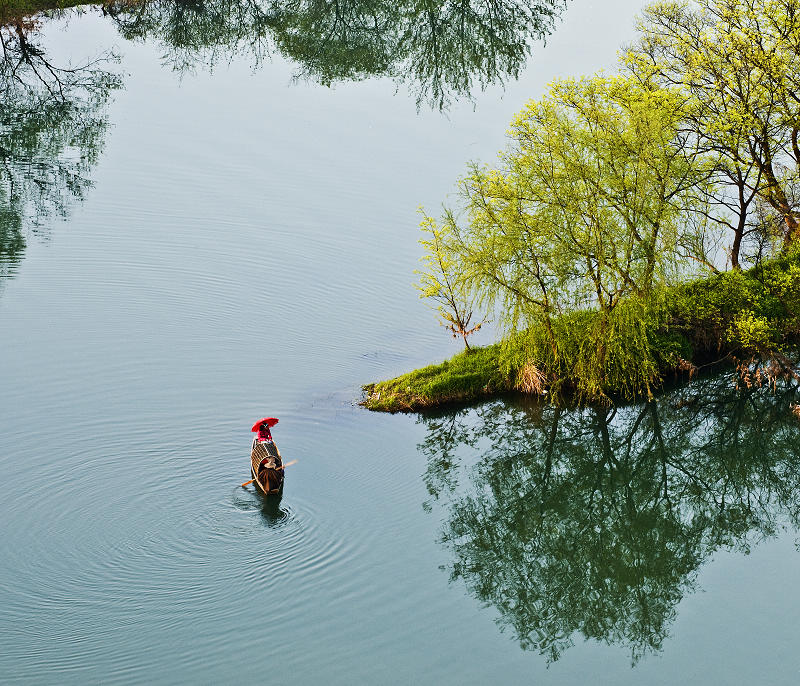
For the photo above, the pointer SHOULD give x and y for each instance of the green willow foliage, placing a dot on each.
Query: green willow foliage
(741, 314)
(614, 190)
(442, 283)
(737, 63)
(633, 357)
(573, 238)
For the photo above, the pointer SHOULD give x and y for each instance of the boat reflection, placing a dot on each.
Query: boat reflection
(594, 522)
(271, 511)
(268, 506)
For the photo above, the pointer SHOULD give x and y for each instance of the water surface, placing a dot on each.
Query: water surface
(232, 242)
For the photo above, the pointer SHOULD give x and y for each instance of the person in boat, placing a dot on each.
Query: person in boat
(264, 433)
(270, 472)
(270, 467)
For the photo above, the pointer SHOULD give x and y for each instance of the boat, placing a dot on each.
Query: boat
(271, 481)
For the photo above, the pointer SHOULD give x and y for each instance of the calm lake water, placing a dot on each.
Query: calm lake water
(245, 248)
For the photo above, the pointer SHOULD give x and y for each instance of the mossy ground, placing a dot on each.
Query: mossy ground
(470, 375)
(737, 314)
(13, 10)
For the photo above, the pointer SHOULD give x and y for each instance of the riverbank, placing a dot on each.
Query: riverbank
(729, 316)
(14, 10)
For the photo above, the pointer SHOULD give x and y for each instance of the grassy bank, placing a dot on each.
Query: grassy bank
(14, 10)
(734, 315)
(467, 376)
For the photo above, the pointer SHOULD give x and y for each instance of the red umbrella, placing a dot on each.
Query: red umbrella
(269, 421)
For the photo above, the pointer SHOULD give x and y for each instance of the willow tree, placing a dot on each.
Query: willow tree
(738, 63)
(442, 282)
(583, 217)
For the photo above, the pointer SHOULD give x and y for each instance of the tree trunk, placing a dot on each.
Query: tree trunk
(792, 225)
(737, 245)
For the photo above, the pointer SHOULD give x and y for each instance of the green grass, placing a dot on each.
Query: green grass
(11, 10)
(467, 376)
(736, 314)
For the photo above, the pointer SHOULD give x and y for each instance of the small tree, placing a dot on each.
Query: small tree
(443, 284)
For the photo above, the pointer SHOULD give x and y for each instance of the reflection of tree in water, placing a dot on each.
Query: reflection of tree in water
(52, 124)
(195, 32)
(596, 521)
(441, 48)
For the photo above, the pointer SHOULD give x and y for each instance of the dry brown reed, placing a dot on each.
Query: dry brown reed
(531, 380)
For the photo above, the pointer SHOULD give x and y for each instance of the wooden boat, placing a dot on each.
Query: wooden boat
(271, 481)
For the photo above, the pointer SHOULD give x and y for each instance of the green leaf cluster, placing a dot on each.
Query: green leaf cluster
(442, 282)
(746, 312)
(737, 64)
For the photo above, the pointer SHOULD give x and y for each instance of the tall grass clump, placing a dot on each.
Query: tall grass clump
(597, 355)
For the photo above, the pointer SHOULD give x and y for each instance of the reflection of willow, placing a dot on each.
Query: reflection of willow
(596, 521)
(443, 48)
(51, 130)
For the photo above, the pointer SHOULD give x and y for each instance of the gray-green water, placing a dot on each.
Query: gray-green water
(247, 248)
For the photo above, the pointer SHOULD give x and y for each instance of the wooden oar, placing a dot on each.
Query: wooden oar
(283, 466)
